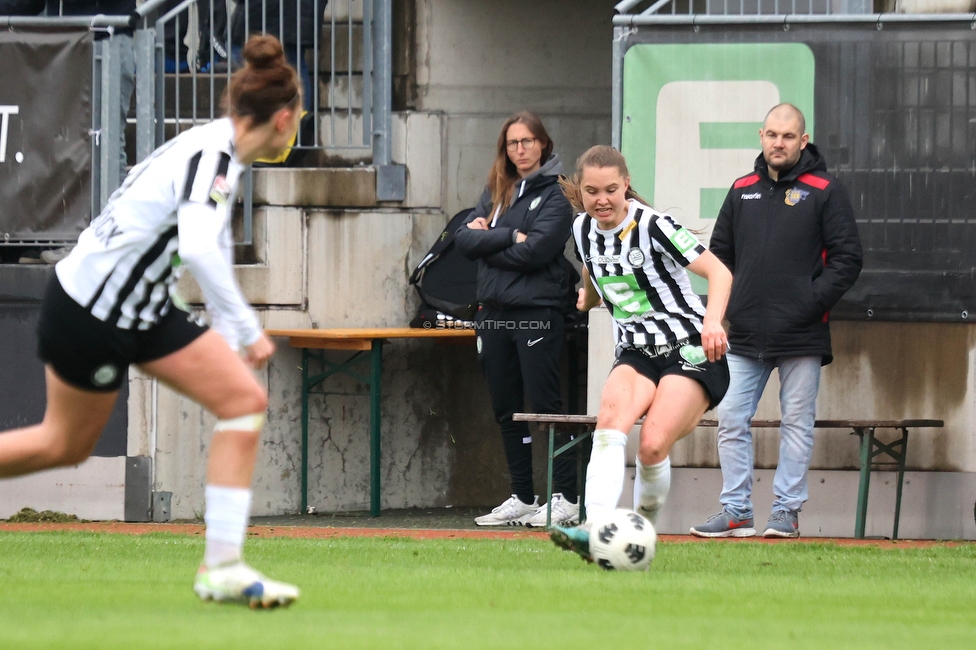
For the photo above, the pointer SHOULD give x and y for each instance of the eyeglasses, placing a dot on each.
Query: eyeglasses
(527, 143)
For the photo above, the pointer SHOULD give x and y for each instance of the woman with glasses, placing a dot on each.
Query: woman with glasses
(518, 232)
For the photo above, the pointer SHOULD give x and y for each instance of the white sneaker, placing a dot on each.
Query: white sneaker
(511, 513)
(564, 513)
(240, 583)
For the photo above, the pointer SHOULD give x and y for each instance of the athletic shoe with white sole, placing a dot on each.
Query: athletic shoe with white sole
(239, 583)
(573, 538)
(511, 513)
(564, 513)
(722, 524)
(783, 523)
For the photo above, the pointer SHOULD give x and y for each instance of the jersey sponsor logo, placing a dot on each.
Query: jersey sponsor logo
(220, 190)
(636, 257)
(752, 196)
(693, 354)
(535, 203)
(626, 231)
(629, 301)
(683, 240)
(604, 259)
(795, 195)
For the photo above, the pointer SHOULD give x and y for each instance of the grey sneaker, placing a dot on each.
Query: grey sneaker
(783, 523)
(573, 538)
(722, 524)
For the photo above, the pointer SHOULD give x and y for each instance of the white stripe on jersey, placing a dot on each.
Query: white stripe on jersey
(122, 268)
(638, 270)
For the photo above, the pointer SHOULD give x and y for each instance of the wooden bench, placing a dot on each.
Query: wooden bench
(870, 447)
(365, 345)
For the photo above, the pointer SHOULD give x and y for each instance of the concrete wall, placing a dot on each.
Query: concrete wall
(478, 62)
(347, 266)
(880, 370)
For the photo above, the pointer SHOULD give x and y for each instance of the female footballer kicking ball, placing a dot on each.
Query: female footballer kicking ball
(670, 365)
(109, 306)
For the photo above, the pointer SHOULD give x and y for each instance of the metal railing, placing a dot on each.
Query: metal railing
(348, 52)
(742, 7)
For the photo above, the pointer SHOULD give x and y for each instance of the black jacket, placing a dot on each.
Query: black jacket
(794, 250)
(535, 272)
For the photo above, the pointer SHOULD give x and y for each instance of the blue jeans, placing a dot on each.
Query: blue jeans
(799, 382)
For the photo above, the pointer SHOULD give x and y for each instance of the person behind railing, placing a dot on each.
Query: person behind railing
(670, 365)
(518, 232)
(109, 305)
(127, 80)
(296, 30)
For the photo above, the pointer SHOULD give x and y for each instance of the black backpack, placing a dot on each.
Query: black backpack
(446, 281)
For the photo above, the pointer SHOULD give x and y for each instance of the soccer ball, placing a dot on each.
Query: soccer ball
(622, 541)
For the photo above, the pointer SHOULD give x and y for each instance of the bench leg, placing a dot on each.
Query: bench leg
(553, 452)
(867, 445)
(376, 371)
(552, 456)
(900, 457)
(305, 389)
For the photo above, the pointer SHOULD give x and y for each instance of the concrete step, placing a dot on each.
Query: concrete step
(341, 141)
(330, 187)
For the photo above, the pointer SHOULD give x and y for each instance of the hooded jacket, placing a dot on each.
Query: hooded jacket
(533, 273)
(793, 249)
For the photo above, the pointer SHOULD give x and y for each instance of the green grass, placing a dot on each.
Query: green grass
(85, 590)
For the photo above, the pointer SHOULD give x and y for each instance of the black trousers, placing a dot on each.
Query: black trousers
(519, 350)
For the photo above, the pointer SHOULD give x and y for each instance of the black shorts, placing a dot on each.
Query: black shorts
(685, 358)
(93, 355)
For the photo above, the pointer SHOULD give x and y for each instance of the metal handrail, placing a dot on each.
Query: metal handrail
(632, 20)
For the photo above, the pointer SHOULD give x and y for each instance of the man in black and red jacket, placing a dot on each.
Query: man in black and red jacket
(788, 235)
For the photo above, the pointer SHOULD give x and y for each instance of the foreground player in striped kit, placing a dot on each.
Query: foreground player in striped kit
(670, 365)
(109, 306)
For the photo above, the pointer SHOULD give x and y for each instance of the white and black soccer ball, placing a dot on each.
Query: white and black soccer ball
(622, 541)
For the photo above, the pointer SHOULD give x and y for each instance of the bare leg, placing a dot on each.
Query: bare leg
(626, 396)
(210, 373)
(73, 421)
(675, 411)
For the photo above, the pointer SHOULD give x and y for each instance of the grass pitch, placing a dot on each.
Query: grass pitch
(87, 590)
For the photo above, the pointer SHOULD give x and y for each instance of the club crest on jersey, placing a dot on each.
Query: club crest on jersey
(220, 190)
(795, 195)
(636, 257)
(535, 203)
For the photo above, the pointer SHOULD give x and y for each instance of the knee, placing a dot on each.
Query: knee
(248, 401)
(651, 452)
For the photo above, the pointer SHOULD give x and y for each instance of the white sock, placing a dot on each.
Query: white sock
(651, 488)
(227, 512)
(605, 471)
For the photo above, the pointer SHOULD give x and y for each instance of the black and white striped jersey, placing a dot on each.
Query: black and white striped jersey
(638, 270)
(173, 208)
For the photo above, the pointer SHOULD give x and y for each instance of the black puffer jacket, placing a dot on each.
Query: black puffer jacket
(793, 249)
(533, 273)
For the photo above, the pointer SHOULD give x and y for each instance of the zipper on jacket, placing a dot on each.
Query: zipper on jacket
(760, 331)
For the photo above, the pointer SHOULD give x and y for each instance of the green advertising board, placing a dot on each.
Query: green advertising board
(692, 114)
